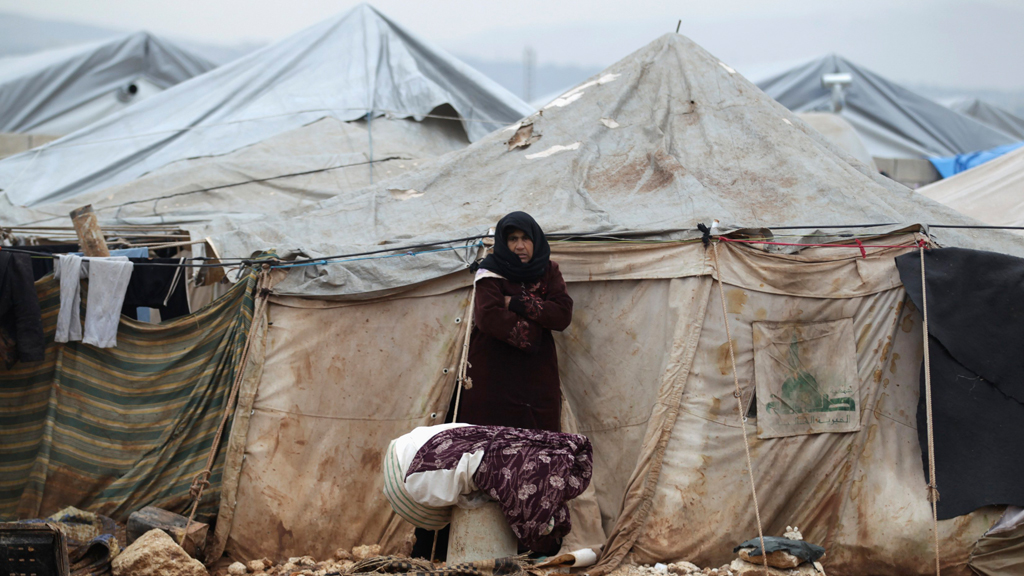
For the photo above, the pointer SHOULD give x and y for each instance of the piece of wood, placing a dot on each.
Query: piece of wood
(90, 236)
(151, 517)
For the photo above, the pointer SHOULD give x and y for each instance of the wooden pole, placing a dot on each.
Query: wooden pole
(90, 236)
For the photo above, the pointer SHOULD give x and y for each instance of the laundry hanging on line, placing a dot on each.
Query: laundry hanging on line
(21, 322)
(108, 282)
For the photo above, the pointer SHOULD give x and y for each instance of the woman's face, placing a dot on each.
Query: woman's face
(520, 245)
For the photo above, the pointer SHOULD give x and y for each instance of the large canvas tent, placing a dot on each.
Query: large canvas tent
(992, 193)
(59, 91)
(357, 65)
(990, 114)
(893, 121)
(359, 350)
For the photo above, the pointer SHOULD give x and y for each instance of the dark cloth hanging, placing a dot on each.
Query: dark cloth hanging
(975, 310)
(512, 360)
(160, 287)
(43, 266)
(21, 322)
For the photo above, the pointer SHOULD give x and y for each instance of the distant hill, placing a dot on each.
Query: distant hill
(21, 35)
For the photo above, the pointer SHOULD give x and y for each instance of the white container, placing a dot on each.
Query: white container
(480, 534)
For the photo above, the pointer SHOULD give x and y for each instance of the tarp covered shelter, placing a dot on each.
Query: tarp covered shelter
(992, 193)
(893, 121)
(996, 117)
(113, 430)
(360, 350)
(56, 92)
(342, 68)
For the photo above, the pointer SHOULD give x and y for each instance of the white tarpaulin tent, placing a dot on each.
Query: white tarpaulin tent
(893, 121)
(990, 114)
(360, 350)
(992, 193)
(59, 91)
(341, 68)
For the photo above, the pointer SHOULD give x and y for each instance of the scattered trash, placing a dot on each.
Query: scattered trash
(789, 555)
(609, 122)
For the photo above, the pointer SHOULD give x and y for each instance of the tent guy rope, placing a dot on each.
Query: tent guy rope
(739, 403)
(933, 490)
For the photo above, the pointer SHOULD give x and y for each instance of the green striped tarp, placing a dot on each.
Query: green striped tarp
(113, 430)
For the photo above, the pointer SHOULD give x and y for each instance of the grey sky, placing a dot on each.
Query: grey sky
(939, 42)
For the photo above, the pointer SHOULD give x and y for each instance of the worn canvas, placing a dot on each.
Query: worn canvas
(806, 378)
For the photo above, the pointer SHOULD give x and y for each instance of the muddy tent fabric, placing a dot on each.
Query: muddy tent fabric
(992, 193)
(977, 395)
(113, 430)
(990, 114)
(57, 92)
(664, 139)
(893, 121)
(345, 67)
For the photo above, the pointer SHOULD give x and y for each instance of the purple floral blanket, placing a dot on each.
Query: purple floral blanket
(532, 474)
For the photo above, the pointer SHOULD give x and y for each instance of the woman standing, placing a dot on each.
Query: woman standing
(520, 299)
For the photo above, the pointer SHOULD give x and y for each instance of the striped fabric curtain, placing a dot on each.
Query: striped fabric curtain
(113, 430)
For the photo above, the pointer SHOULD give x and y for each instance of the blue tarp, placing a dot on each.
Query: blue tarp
(951, 165)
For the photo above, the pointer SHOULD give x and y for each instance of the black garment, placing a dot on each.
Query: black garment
(21, 321)
(152, 286)
(975, 310)
(505, 262)
(803, 550)
(43, 266)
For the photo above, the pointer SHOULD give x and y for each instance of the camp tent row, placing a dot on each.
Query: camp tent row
(893, 121)
(353, 98)
(990, 114)
(56, 92)
(992, 193)
(667, 138)
(356, 351)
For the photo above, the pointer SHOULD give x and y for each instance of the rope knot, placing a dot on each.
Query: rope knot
(933, 493)
(706, 238)
(199, 483)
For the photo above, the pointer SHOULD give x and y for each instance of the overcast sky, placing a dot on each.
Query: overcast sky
(967, 43)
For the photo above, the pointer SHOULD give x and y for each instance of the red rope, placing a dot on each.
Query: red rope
(857, 245)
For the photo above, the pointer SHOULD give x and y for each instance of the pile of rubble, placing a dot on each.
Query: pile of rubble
(304, 565)
(780, 560)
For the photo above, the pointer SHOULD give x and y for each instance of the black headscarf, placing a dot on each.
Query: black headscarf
(505, 262)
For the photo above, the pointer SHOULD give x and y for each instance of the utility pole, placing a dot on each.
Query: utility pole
(529, 62)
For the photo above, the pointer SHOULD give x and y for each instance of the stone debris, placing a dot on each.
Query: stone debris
(741, 567)
(793, 533)
(777, 559)
(156, 554)
(365, 551)
(238, 569)
(259, 565)
(676, 568)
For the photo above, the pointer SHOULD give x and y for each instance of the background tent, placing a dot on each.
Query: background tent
(839, 132)
(637, 156)
(893, 121)
(992, 193)
(341, 68)
(990, 114)
(57, 92)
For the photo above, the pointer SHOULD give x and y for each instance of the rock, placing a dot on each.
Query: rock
(777, 559)
(302, 561)
(156, 554)
(259, 565)
(683, 568)
(793, 533)
(238, 569)
(342, 554)
(365, 551)
(740, 567)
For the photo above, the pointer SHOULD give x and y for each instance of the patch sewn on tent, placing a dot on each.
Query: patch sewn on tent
(806, 378)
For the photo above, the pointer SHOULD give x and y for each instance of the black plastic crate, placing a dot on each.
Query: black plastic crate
(32, 549)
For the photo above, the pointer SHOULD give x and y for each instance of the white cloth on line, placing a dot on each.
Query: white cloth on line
(438, 488)
(108, 282)
(68, 269)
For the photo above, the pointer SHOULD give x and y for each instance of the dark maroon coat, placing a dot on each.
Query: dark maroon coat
(513, 363)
